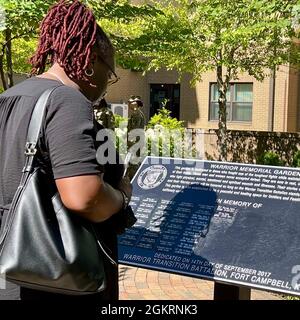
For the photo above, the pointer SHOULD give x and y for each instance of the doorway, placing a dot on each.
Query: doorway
(168, 94)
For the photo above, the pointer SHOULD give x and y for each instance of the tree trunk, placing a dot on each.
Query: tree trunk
(222, 132)
(9, 58)
(2, 74)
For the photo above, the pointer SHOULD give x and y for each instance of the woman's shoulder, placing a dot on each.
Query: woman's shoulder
(30, 87)
(66, 100)
(68, 106)
(66, 93)
(35, 86)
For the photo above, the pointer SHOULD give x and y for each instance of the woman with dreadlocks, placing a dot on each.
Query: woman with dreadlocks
(81, 61)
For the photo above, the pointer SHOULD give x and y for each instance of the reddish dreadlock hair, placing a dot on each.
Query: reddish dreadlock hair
(68, 34)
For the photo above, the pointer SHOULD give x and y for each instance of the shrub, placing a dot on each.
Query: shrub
(296, 159)
(165, 135)
(163, 118)
(119, 120)
(270, 158)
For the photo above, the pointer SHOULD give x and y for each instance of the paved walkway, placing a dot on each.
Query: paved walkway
(144, 284)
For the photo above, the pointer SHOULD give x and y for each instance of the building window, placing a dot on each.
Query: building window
(239, 98)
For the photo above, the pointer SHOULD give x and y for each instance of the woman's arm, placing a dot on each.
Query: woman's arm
(92, 198)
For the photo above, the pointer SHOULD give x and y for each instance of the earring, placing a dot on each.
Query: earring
(89, 73)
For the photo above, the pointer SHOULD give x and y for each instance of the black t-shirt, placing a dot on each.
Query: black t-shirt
(67, 140)
(68, 132)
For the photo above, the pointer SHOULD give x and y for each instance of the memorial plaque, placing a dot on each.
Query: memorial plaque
(230, 222)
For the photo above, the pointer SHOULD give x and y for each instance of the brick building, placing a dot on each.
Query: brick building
(252, 105)
(250, 102)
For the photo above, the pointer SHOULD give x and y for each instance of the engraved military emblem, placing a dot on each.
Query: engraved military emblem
(152, 177)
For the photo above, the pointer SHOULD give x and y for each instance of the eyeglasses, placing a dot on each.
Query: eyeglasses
(113, 78)
(103, 95)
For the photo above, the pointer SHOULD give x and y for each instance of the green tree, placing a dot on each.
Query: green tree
(20, 20)
(124, 21)
(229, 37)
(21, 50)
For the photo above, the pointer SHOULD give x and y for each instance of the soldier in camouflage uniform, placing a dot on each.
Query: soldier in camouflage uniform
(136, 121)
(104, 115)
(136, 117)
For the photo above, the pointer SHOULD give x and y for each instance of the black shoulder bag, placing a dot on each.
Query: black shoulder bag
(42, 245)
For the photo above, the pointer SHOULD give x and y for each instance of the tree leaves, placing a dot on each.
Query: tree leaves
(241, 35)
(22, 16)
(190, 36)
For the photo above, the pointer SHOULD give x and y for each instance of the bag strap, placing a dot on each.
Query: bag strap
(34, 128)
(33, 134)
